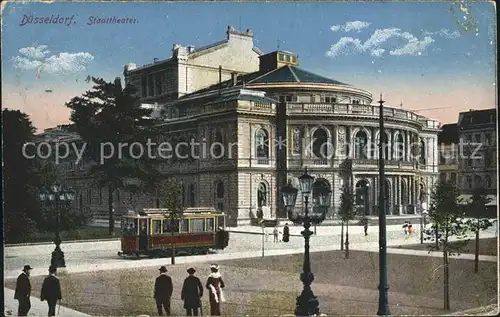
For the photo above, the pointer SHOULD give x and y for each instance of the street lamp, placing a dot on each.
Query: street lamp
(57, 195)
(307, 303)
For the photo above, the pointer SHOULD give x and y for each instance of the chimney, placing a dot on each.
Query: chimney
(155, 60)
(190, 48)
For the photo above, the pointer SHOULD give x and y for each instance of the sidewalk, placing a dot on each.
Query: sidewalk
(38, 308)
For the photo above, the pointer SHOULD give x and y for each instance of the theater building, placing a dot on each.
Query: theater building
(273, 119)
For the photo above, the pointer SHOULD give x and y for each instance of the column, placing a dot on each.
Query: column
(399, 193)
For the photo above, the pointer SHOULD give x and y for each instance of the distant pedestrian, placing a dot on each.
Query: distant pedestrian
(215, 284)
(410, 228)
(23, 291)
(364, 221)
(51, 290)
(163, 291)
(405, 228)
(192, 291)
(286, 233)
(276, 234)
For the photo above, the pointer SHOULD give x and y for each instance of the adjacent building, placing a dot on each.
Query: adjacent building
(257, 120)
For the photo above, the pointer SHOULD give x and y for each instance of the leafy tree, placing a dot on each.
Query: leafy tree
(447, 221)
(477, 206)
(105, 118)
(462, 12)
(172, 199)
(19, 201)
(347, 212)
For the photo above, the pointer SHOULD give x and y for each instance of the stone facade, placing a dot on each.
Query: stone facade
(273, 119)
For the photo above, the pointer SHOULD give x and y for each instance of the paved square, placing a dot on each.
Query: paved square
(269, 286)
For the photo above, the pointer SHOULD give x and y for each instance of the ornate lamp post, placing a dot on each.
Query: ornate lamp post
(307, 303)
(58, 196)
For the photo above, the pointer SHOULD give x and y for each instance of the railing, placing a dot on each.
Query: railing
(369, 110)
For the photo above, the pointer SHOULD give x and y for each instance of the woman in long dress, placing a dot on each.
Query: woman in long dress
(215, 284)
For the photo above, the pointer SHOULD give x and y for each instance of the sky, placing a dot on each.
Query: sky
(414, 53)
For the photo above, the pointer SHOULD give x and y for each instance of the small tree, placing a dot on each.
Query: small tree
(477, 207)
(347, 212)
(447, 221)
(172, 196)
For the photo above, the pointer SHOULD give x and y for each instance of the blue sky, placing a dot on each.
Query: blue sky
(449, 59)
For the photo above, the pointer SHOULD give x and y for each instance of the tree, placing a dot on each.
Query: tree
(462, 12)
(19, 201)
(106, 118)
(172, 196)
(447, 221)
(477, 207)
(347, 212)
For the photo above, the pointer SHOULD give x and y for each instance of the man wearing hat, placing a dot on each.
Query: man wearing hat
(215, 284)
(23, 291)
(51, 290)
(163, 291)
(192, 291)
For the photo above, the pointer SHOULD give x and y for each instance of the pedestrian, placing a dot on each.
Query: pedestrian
(51, 290)
(286, 233)
(215, 284)
(192, 291)
(365, 225)
(163, 291)
(23, 291)
(410, 228)
(276, 234)
(405, 227)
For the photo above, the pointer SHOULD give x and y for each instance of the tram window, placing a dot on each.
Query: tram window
(210, 224)
(129, 226)
(185, 225)
(167, 227)
(156, 226)
(143, 229)
(197, 225)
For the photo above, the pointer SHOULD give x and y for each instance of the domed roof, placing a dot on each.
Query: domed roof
(293, 74)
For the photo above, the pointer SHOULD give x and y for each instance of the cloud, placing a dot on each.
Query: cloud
(350, 26)
(444, 33)
(36, 58)
(374, 44)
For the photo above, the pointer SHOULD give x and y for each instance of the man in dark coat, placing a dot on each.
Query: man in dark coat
(286, 233)
(215, 284)
(51, 290)
(192, 291)
(163, 291)
(23, 291)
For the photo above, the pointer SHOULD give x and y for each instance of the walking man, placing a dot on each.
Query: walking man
(275, 233)
(23, 291)
(51, 290)
(163, 291)
(286, 233)
(215, 284)
(192, 291)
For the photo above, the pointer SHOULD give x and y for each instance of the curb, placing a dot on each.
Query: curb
(63, 242)
(260, 233)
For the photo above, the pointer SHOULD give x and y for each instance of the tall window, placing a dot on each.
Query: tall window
(488, 181)
(89, 196)
(100, 196)
(404, 193)
(478, 181)
(360, 142)
(453, 176)
(151, 87)
(262, 195)
(469, 182)
(218, 144)
(399, 149)
(192, 195)
(159, 84)
(320, 143)
(144, 86)
(422, 152)
(262, 143)
(219, 190)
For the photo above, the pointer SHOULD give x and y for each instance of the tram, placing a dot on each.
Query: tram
(156, 232)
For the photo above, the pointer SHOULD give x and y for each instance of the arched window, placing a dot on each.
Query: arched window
(217, 144)
(478, 181)
(192, 195)
(387, 189)
(262, 143)
(385, 141)
(469, 182)
(360, 142)
(488, 181)
(404, 193)
(399, 147)
(320, 143)
(262, 195)
(219, 190)
(422, 152)
(421, 198)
